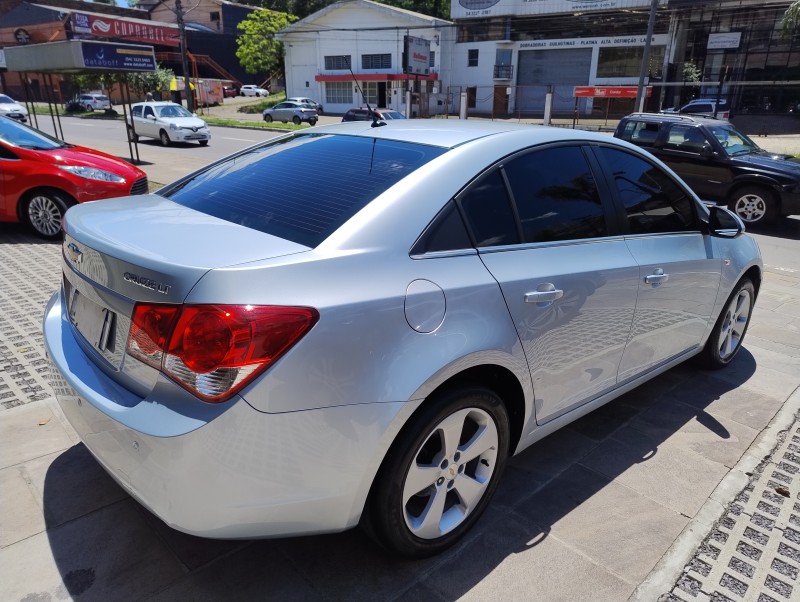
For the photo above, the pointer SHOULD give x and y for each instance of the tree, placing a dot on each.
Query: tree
(143, 82)
(791, 18)
(258, 50)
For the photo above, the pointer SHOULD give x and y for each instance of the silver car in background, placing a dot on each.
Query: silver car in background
(250, 353)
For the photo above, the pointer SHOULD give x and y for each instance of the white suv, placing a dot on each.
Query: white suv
(704, 107)
(253, 90)
(167, 122)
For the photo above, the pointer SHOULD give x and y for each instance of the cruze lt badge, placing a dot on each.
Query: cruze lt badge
(145, 282)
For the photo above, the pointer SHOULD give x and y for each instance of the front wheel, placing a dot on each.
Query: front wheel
(296, 120)
(164, 138)
(725, 340)
(268, 118)
(90, 108)
(754, 205)
(440, 473)
(312, 122)
(44, 210)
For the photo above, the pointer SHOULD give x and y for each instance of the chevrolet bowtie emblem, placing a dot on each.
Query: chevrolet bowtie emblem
(74, 254)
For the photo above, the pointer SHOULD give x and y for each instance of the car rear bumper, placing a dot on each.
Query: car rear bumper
(238, 472)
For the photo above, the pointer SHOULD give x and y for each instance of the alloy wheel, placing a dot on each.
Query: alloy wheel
(734, 324)
(45, 215)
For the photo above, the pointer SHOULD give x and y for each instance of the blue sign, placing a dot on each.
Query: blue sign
(118, 57)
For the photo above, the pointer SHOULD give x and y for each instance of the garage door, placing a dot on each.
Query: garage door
(565, 69)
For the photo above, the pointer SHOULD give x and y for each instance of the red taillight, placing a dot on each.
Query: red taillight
(214, 350)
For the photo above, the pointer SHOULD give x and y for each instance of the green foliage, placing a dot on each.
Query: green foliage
(141, 83)
(303, 8)
(258, 50)
(791, 18)
(690, 72)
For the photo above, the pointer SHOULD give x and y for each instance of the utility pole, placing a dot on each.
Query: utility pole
(651, 23)
(187, 84)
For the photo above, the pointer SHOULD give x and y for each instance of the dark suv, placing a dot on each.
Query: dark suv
(719, 163)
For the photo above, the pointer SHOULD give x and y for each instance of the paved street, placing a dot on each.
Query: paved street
(687, 488)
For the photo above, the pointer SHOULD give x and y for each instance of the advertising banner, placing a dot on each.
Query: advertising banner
(117, 57)
(460, 9)
(83, 25)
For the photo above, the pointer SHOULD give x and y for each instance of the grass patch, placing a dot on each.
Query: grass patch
(268, 102)
(263, 125)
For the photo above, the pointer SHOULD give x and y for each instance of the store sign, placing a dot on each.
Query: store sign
(117, 57)
(485, 8)
(609, 91)
(720, 41)
(83, 24)
(416, 55)
(22, 36)
(656, 40)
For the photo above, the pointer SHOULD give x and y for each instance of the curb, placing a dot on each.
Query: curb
(668, 570)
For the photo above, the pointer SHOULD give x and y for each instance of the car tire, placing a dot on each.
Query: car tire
(312, 122)
(258, 94)
(203, 142)
(268, 118)
(754, 205)
(44, 210)
(132, 136)
(418, 512)
(726, 339)
(164, 138)
(296, 120)
(89, 108)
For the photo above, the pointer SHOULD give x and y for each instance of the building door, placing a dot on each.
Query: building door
(564, 69)
(500, 105)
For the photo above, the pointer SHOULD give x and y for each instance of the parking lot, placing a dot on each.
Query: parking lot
(610, 508)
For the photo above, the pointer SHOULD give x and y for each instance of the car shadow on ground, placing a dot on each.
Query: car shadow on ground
(107, 546)
(16, 233)
(783, 227)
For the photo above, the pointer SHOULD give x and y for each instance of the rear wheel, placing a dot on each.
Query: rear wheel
(164, 138)
(312, 122)
(296, 120)
(441, 473)
(754, 205)
(44, 210)
(726, 339)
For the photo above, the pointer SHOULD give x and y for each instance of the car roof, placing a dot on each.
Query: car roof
(676, 118)
(450, 133)
(157, 103)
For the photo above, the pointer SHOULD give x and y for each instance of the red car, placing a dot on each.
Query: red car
(42, 176)
(230, 92)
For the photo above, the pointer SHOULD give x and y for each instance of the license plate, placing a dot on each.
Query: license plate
(94, 322)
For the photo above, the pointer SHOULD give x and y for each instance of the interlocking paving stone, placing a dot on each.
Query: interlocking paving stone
(753, 551)
(30, 271)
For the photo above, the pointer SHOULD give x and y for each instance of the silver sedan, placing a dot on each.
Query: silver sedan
(267, 355)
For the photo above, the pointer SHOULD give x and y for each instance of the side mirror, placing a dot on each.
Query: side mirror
(707, 153)
(724, 223)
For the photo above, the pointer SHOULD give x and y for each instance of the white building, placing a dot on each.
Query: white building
(367, 37)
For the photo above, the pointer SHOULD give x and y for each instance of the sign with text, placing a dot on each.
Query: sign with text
(117, 57)
(493, 8)
(609, 91)
(416, 55)
(83, 25)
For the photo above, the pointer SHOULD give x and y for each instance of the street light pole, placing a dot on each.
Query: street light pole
(187, 85)
(651, 23)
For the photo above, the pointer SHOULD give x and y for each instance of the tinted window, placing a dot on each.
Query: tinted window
(685, 138)
(261, 188)
(488, 212)
(653, 201)
(136, 111)
(640, 133)
(445, 233)
(556, 195)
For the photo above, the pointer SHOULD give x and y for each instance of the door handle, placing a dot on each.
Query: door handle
(548, 295)
(657, 277)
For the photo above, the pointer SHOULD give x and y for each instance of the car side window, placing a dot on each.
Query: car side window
(654, 202)
(640, 133)
(685, 138)
(445, 233)
(487, 209)
(556, 195)
(148, 112)
(136, 111)
(698, 108)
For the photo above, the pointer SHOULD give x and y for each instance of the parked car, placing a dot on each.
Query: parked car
(363, 114)
(11, 108)
(704, 107)
(229, 92)
(308, 101)
(42, 176)
(253, 90)
(288, 110)
(720, 163)
(94, 102)
(369, 345)
(168, 122)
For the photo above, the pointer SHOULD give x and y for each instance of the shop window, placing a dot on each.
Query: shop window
(340, 93)
(626, 61)
(214, 16)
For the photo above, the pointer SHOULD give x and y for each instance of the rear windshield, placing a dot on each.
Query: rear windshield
(301, 188)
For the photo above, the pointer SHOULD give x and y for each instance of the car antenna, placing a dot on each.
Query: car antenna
(375, 121)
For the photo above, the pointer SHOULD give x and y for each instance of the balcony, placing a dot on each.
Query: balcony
(503, 71)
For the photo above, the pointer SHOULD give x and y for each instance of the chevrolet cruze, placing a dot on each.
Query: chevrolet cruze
(254, 354)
